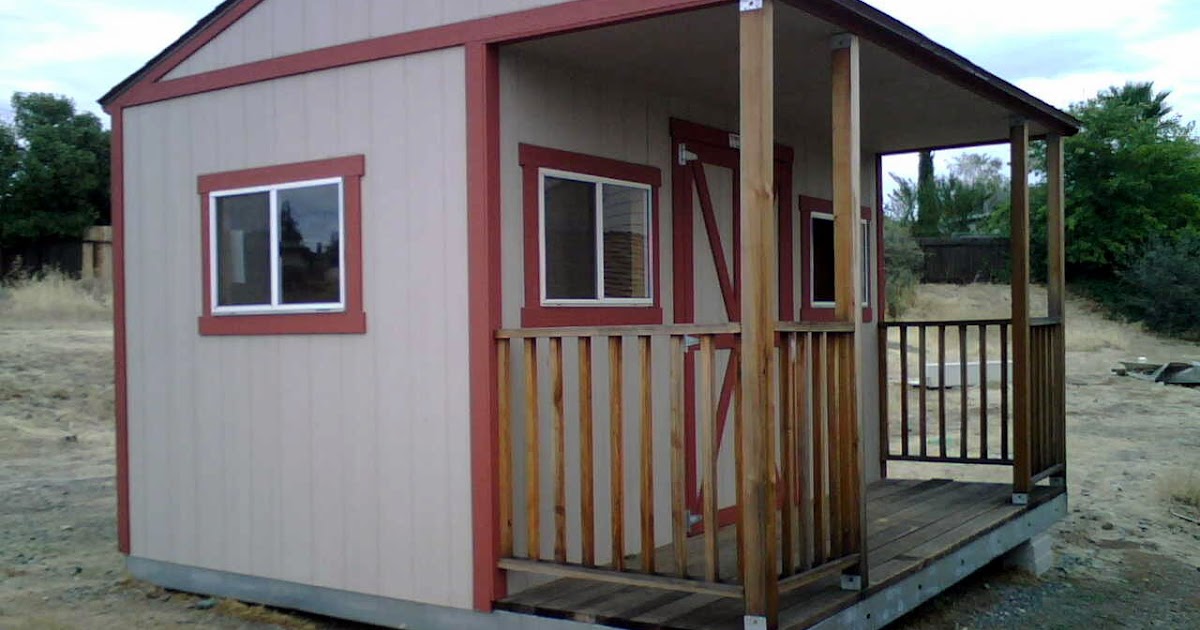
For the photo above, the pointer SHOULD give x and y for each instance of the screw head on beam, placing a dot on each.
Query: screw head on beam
(842, 41)
(750, 5)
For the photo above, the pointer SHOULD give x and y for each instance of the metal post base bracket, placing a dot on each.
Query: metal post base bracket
(851, 582)
(754, 623)
(1020, 498)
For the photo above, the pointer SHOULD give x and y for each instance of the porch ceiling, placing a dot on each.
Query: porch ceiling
(694, 56)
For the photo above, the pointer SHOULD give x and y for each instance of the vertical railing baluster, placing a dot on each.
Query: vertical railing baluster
(963, 435)
(923, 390)
(787, 414)
(647, 456)
(904, 390)
(983, 392)
(560, 447)
(804, 441)
(820, 543)
(942, 390)
(679, 522)
(834, 395)
(616, 411)
(1004, 439)
(504, 444)
(706, 410)
(532, 458)
(587, 468)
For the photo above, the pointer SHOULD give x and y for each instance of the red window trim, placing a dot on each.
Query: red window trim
(534, 314)
(808, 312)
(353, 319)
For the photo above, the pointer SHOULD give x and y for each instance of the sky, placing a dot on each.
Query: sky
(1062, 51)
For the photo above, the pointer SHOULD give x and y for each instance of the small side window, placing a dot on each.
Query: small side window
(282, 249)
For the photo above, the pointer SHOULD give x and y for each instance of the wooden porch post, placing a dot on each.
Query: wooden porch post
(758, 298)
(1056, 275)
(1022, 450)
(847, 191)
(1056, 283)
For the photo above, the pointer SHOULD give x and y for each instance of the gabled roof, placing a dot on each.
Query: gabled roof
(853, 15)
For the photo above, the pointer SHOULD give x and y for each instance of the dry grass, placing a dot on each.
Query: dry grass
(1182, 486)
(1088, 328)
(53, 296)
(263, 615)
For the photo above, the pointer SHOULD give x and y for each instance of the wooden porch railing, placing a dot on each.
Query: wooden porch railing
(576, 443)
(953, 419)
(1047, 416)
(820, 479)
(536, 529)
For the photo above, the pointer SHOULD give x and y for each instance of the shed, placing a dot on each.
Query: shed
(527, 313)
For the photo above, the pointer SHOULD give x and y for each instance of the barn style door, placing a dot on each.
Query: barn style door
(706, 230)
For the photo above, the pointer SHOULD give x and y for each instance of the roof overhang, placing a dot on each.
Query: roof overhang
(853, 16)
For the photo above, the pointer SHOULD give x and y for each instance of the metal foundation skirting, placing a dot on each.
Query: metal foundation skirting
(382, 611)
(889, 604)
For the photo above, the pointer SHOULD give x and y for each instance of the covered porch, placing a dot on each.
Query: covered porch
(728, 466)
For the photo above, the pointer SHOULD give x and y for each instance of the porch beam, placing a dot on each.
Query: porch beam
(1056, 276)
(758, 307)
(847, 192)
(1022, 451)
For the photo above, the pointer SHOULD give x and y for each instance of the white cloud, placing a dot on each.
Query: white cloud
(1150, 40)
(965, 22)
(82, 48)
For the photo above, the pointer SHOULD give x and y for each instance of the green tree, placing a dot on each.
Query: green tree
(960, 202)
(54, 170)
(1132, 176)
(901, 204)
(975, 188)
(928, 215)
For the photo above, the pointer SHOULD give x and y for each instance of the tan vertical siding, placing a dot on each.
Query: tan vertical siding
(339, 461)
(282, 27)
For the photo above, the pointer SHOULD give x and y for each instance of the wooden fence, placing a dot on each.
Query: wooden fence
(87, 258)
(965, 259)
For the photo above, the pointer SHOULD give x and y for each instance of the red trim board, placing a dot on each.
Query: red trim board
(120, 358)
(504, 28)
(484, 284)
(534, 314)
(350, 321)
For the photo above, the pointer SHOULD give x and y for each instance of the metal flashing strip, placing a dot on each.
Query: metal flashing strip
(892, 602)
(361, 607)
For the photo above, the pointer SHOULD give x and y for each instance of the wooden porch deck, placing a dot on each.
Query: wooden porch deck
(911, 524)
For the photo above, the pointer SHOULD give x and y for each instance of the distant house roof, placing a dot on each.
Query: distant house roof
(854, 15)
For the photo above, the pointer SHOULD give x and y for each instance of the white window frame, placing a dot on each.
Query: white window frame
(275, 307)
(812, 263)
(864, 271)
(600, 299)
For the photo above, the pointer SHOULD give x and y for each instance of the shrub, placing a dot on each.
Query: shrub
(903, 261)
(1164, 287)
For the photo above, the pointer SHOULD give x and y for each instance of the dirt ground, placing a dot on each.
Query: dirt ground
(1123, 558)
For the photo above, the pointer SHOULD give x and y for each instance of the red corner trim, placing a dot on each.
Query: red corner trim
(120, 358)
(483, 263)
(508, 27)
(351, 321)
(534, 315)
